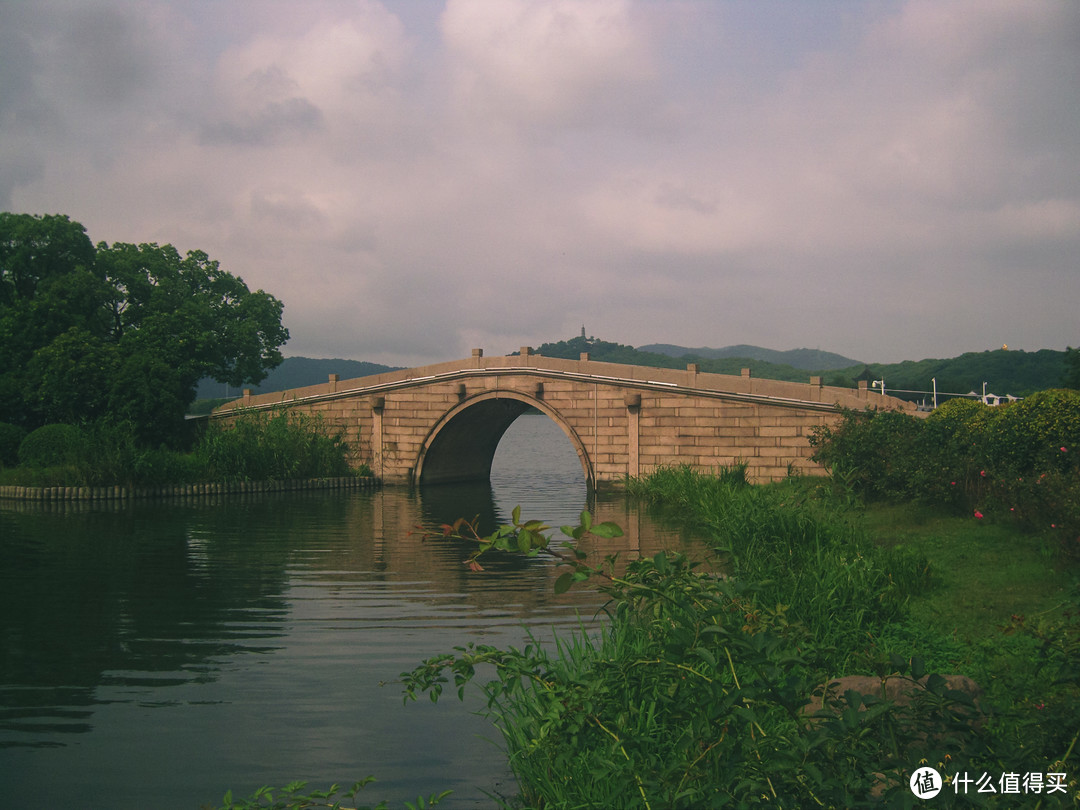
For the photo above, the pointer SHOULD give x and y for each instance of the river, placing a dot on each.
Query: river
(157, 654)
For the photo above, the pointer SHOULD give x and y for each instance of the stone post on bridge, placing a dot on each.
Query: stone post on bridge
(633, 414)
(378, 405)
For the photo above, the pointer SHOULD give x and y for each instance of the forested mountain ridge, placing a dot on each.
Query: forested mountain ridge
(617, 353)
(806, 359)
(296, 372)
(1004, 371)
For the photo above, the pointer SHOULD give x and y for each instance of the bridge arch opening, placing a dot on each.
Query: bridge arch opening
(462, 445)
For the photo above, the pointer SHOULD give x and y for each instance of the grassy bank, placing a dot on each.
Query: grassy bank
(983, 573)
(801, 548)
(698, 693)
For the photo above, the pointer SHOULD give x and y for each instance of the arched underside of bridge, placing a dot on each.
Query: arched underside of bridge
(461, 447)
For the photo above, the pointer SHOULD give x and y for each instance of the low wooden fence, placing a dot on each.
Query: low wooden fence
(62, 494)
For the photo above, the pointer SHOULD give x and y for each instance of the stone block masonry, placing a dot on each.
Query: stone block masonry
(443, 422)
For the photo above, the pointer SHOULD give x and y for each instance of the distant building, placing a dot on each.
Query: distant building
(992, 399)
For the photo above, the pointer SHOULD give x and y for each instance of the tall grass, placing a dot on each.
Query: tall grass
(806, 556)
(686, 702)
(257, 447)
(281, 445)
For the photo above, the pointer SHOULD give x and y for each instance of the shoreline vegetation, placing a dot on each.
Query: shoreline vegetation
(257, 452)
(710, 685)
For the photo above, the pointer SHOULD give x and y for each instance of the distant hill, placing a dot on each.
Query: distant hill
(618, 353)
(805, 359)
(296, 372)
(1004, 371)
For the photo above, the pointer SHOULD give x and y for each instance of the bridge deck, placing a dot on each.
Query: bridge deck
(443, 422)
(745, 387)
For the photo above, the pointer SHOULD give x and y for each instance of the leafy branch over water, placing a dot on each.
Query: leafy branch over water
(295, 796)
(529, 539)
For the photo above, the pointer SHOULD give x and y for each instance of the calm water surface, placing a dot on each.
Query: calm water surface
(156, 655)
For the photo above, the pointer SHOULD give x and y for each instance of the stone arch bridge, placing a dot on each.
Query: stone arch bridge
(442, 423)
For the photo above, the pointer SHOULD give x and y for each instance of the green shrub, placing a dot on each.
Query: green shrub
(258, 446)
(272, 446)
(11, 437)
(53, 446)
(1018, 462)
(117, 457)
(876, 452)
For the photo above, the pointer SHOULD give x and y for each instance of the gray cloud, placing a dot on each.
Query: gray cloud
(271, 123)
(891, 181)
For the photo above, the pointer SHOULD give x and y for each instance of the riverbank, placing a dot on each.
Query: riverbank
(702, 689)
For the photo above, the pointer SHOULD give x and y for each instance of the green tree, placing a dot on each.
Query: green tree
(200, 317)
(1072, 368)
(124, 331)
(72, 377)
(34, 250)
(47, 286)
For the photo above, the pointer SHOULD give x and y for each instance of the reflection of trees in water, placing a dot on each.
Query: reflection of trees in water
(156, 594)
(115, 597)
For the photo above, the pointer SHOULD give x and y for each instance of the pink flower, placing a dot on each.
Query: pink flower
(982, 473)
(1063, 450)
(978, 515)
(952, 483)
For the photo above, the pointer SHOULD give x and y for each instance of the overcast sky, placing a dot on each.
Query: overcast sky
(887, 180)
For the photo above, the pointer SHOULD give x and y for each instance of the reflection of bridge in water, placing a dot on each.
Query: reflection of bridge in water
(442, 423)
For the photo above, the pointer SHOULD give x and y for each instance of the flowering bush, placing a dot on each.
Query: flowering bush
(1011, 461)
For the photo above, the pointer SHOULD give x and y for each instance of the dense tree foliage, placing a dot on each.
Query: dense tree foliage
(123, 332)
(1005, 371)
(1072, 368)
